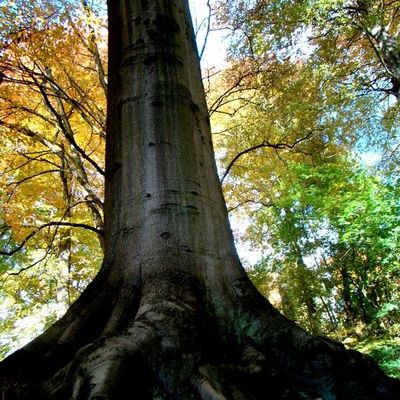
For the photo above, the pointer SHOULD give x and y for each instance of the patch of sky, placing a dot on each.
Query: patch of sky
(211, 43)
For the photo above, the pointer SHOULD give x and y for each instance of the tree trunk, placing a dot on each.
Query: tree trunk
(171, 313)
(305, 285)
(350, 315)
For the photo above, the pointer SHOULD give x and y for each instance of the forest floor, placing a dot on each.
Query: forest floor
(385, 351)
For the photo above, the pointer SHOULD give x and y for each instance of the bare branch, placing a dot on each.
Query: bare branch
(93, 48)
(47, 225)
(17, 183)
(23, 269)
(207, 30)
(249, 201)
(61, 119)
(265, 143)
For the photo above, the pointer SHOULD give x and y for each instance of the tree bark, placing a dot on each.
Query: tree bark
(172, 314)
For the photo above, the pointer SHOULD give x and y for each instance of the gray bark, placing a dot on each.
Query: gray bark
(171, 313)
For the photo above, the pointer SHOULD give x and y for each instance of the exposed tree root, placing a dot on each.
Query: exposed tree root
(176, 345)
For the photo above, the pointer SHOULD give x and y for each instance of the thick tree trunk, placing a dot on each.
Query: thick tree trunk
(171, 313)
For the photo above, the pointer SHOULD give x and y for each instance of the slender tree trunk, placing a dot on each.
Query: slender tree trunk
(171, 313)
(330, 313)
(306, 290)
(350, 316)
(66, 237)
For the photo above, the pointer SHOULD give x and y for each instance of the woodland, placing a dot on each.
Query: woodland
(305, 127)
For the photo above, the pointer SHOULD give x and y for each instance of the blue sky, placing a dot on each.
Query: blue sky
(215, 51)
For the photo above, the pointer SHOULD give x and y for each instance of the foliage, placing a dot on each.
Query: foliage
(323, 79)
(52, 124)
(386, 353)
(350, 50)
(332, 239)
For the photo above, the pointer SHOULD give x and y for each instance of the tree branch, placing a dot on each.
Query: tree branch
(47, 225)
(68, 134)
(33, 176)
(207, 30)
(93, 48)
(248, 201)
(265, 143)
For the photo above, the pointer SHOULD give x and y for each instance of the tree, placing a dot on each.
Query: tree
(52, 136)
(60, 129)
(171, 313)
(52, 119)
(348, 50)
(320, 77)
(344, 221)
(356, 40)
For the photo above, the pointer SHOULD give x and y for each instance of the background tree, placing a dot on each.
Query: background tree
(346, 226)
(52, 125)
(342, 46)
(319, 90)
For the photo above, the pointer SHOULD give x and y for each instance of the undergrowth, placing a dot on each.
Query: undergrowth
(385, 351)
